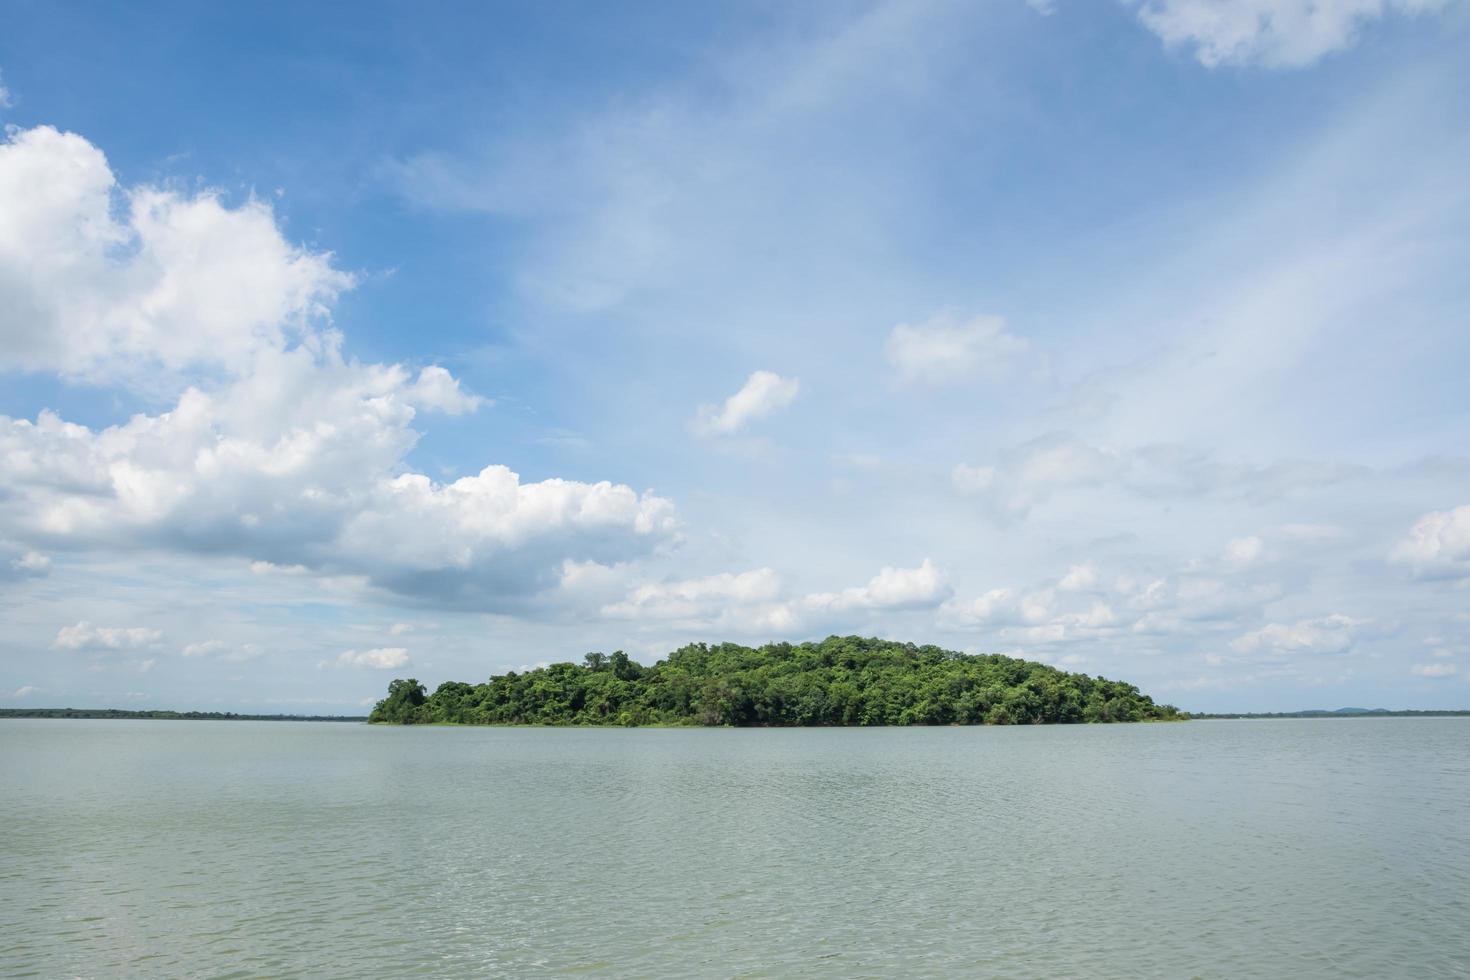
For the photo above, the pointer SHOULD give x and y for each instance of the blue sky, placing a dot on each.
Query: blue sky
(338, 345)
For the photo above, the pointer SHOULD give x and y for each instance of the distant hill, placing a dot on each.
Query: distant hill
(843, 680)
(1338, 713)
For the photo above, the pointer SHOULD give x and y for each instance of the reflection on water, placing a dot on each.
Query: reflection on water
(1211, 849)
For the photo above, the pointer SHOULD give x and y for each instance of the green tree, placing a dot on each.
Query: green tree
(404, 704)
(843, 680)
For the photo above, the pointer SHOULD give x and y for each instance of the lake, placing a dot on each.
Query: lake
(1293, 848)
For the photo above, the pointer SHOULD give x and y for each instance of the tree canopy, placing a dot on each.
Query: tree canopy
(847, 680)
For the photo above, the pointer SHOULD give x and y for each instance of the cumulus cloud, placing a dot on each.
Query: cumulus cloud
(29, 689)
(1330, 634)
(990, 607)
(945, 349)
(85, 636)
(1271, 33)
(691, 596)
(295, 466)
(173, 281)
(1086, 606)
(1438, 545)
(288, 453)
(892, 588)
(383, 658)
(1434, 670)
(764, 393)
(438, 390)
(1045, 614)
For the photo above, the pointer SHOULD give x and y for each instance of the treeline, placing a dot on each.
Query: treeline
(164, 715)
(839, 681)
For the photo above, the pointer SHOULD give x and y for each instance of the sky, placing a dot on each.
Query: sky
(347, 342)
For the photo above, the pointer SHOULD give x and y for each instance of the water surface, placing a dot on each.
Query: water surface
(1211, 848)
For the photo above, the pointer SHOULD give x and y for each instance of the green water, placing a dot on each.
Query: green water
(1211, 849)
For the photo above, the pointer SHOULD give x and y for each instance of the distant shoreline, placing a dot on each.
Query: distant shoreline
(1376, 713)
(161, 715)
(120, 713)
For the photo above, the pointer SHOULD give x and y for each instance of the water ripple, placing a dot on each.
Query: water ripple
(1208, 849)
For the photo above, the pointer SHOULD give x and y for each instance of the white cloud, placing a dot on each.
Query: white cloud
(271, 568)
(988, 608)
(691, 597)
(295, 466)
(5, 99)
(398, 629)
(204, 649)
(27, 690)
(752, 601)
(892, 588)
(85, 636)
(292, 456)
(438, 390)
(1271, 33)
(1438, 544)
(1079, 578)
(1330, 634)
(1434, 670)
(944, 349)
(1038, 617)
(383, 658)
(175, 281)
(763, 394)
(1084, 606)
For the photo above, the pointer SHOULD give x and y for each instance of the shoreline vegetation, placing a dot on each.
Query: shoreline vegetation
(841, 681)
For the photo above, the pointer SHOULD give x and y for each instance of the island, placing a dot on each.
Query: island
(840, 681)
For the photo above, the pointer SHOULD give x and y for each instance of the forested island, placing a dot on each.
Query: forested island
(840, 681)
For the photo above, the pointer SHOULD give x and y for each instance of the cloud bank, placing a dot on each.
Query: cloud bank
(279, 449)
